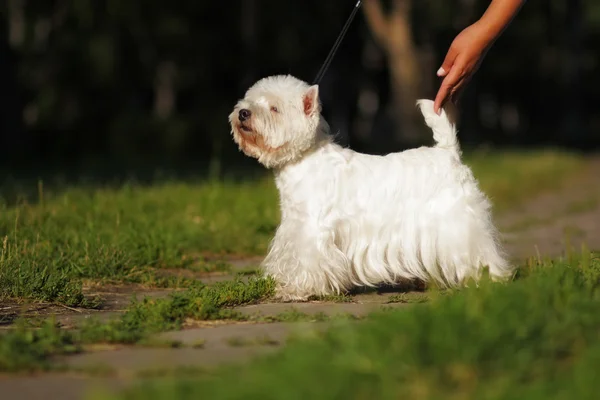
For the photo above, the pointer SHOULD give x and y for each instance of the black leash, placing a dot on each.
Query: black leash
(337, 44)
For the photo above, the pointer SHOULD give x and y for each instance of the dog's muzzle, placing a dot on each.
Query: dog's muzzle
(244, 115)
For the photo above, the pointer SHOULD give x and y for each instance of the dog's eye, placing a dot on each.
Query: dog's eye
(274, 109)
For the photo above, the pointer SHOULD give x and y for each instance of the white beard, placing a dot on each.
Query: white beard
(351, 219)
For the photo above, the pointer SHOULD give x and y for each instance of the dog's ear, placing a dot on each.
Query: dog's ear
(311, 101)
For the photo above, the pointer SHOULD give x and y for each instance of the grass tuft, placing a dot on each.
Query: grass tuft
(29, 349)
(150, 316)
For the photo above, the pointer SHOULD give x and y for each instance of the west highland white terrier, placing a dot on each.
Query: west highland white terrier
(350, 219)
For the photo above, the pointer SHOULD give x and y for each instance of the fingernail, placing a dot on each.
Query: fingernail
(440, 71)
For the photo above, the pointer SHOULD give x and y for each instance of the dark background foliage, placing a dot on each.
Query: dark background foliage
(118, 85)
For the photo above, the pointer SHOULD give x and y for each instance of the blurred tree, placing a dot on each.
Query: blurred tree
(392, 30)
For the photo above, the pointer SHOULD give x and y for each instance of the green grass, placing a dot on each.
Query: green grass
(535, 338)
(127, 234)
(29, 347)
(53, 243)
(509, 178)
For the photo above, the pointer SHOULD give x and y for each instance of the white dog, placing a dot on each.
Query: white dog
(351, 219)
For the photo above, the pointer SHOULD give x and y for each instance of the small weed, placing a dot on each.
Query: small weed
(293, 315)
(238, 341)
(334, 298)
(267, 341)
(408, 298)
(264, 340)
(160, 343)
(248, 272)
(29, 349)
(178, 372)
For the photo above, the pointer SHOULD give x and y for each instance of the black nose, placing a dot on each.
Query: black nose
(244, 114)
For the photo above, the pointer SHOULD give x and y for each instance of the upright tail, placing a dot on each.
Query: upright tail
(444, 131)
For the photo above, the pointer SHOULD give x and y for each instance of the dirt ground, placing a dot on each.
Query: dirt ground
(541, 227)
(546, 225)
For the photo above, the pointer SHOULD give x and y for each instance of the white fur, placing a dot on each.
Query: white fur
(351, 219)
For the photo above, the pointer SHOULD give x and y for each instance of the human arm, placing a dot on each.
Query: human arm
(470, 47)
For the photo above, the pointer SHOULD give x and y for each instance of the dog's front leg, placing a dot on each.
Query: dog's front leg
(305, 262)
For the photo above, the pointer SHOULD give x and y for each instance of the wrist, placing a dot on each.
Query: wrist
(488, 30)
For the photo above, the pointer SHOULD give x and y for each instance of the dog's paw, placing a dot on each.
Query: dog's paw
(287, 296)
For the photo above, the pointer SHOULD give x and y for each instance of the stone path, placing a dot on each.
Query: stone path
(206, 345)
(540, 226)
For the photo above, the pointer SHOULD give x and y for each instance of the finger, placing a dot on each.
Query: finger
(441, 97)
(459, 88)
(446, 88)
(448, 62)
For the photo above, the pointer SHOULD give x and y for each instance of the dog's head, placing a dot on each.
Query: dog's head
(278, 120)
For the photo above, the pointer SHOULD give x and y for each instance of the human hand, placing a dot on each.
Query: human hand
(462, 61)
